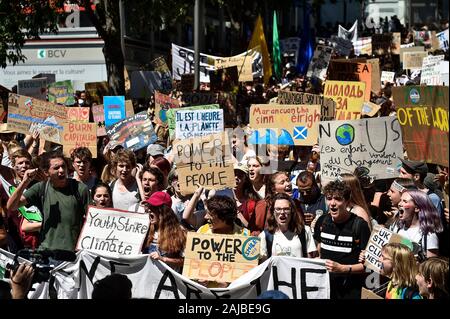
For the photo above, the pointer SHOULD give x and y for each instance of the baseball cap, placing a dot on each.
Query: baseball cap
(155, 150)
(159, 198)
(415, 166)
(241, 167)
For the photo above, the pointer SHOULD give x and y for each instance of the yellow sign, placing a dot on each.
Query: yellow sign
(349, 98)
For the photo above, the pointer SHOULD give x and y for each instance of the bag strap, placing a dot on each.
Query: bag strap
(302, 237)
(269, 242)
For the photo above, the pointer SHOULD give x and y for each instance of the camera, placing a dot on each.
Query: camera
(42, 261)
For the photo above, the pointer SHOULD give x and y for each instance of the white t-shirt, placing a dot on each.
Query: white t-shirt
(127, 199)
(288, 244)
(415, 234)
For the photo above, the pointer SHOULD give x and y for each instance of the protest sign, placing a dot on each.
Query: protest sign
(319, 63)
(350, 34)
(413, 60)
(443, 40)
(196, 123)
(26, 115)
(422, 112)
(369, 294)
(79, 135)
(426, 38)
(183, 62)
(205, 161)
(225, 80)
(219, 258)
(404, 50)
(443, 68)
(199, 98)
(363, 46)
(51, 77)
(144, 83)
(284, 124)
(327, 105)
(78, 114)
(290, 47)
(370, 109)
(350, 71)
(114, 109)
(243, 64)
(387, 77)
(376, 75)
(348, 96)
(381, 43)
(98, 113)
(341, 46)
(171, 115)
(95, 91)
(187, 82)
(134, 132)
(431, 74)
(374, 143)
(162, 104)
(152, 279)
(61, 92)
(396, 42)
(379, 238)
(113, 232)
(36, 88)
(159, 64)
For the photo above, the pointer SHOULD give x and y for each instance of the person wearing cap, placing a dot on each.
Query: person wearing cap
(166, 239)
(154, 151)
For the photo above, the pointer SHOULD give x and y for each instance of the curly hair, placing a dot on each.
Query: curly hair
(338, 188)
(81, 153)
(296, 223)
(124, 155)
(223, 207)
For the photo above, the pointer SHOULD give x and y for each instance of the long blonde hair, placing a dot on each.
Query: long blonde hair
(404, 265)
(357, 195)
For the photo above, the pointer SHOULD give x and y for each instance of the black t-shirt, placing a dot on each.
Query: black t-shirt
(341, 242)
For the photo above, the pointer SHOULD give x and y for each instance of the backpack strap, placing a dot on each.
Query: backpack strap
(42, 194)
(302, 237)
(269, 242)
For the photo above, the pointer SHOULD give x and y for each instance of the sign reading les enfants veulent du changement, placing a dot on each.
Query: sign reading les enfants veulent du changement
(220, 258)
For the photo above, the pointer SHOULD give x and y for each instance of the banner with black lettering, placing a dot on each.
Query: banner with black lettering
(299, 278)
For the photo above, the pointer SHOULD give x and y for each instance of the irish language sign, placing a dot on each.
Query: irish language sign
(327, 105)
(220, 258)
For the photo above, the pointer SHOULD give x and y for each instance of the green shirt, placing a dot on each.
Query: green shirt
(63, 212)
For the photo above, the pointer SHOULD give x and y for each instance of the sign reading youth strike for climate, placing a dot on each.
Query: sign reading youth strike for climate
(220, 258)
(349, 98)
(372, 143)
(284, 124)
(198, 123)
(422, 112)
(205, 161)
(113, 232)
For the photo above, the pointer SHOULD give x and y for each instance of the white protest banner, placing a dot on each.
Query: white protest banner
(319, 62)
(431, 74)
(298, 278)
(206, 161)
(183, 62)
(198, 123)
(220, 258)
(387, 77)
(443, 40)
(36, 88)
(444, 72)
(372, 143)
(350, 34)
(113, 232)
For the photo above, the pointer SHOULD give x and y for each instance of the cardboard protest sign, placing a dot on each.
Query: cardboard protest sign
(114, 109)
(79, 135)
(61, 92)
(113, 232)
(199, 98)
(243, 64)
(374, 143)
(370, 109)
(387, 77)
(204, 160)
(376, 75)
(319, 63)
(171, 115)
(431, 74)
(36, 88)
(96, 90)
(379, 238)
(413, 60)
(348, 96)
(443, 38)
(198, 123)
(363, 46)
(381, 43)
(404, 50)
(162, 104)
(220, 258)
(145, 83)
(134, 132)
(78, 114)
(98, 113)
(226, 79)
(341, 46)
(350, 71)
(284, 124)
(327, 109)
(26, 115)
(422, 112)
(396, 42)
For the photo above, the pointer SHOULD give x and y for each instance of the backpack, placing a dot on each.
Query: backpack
(269, 242)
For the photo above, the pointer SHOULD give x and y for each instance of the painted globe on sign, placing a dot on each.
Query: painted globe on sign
(345, 134)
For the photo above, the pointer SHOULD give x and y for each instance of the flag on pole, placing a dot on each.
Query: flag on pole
(306, 42)
(276, 48)
(259, 40)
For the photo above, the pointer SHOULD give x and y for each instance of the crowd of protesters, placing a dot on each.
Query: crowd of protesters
(291, 210)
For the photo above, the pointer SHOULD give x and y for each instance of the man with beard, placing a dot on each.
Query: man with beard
(61, 200)
(341, 236)
(312, 201)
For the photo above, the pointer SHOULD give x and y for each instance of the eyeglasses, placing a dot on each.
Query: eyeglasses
(286, 210)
